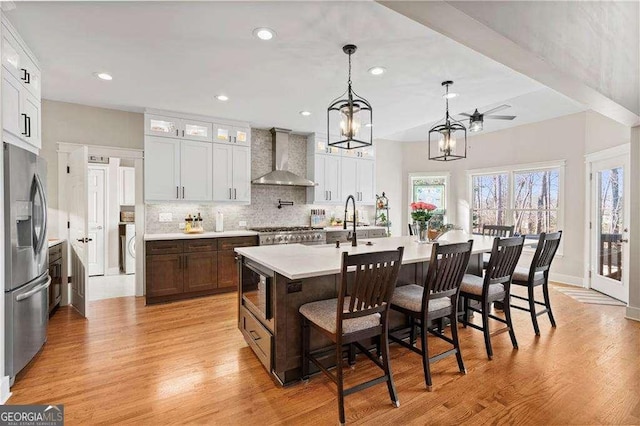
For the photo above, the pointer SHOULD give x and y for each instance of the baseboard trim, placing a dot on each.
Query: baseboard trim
(566, 279)
(633, 313)
(5, 393)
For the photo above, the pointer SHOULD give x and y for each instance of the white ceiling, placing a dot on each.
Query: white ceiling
(178, 55)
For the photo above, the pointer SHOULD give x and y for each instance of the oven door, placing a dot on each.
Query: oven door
(256, 290)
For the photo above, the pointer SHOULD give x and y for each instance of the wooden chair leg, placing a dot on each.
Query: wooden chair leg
(384, 343)
(547, 302)
(485, 329)
(305, 348)
(465, 316)
(532, 310)
(340, 383)
(456, 343)
(378, 347)
(425, 356)
(507, 315)
(352, 354)
(412, 331)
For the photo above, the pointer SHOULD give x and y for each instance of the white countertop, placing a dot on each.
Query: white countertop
(297, 261)
(54, 242)
(183, 236)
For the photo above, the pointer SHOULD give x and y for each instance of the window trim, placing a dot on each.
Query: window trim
(511, 171)
(449, 212)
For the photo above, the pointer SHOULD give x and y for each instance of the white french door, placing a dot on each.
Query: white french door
(79, 227)
(609, 226)
(96, 218)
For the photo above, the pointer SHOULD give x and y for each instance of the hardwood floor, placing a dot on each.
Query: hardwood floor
(186, 362)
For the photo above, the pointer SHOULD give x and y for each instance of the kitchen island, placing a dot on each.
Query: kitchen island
(276, 280)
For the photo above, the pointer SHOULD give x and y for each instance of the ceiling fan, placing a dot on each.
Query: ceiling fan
(476, 119)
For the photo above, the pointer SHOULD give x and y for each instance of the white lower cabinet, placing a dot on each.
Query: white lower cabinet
(231, 173)
(177, 170)
(358, 179)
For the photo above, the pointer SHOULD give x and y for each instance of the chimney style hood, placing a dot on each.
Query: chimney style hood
(280, 174)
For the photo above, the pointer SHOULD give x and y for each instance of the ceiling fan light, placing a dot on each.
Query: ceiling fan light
(475, 125)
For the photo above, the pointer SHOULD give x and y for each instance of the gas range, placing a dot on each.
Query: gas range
(290, 235)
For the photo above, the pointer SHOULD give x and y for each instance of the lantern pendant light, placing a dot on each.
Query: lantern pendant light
(443, 137)
(349, 117)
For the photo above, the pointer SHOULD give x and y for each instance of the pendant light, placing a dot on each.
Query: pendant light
(349, 117)
(448, 138)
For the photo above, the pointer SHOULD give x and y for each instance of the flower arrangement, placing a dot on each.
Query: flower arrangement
(422, 212)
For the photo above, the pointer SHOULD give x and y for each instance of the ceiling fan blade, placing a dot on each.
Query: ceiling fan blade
(500, 117)
(496, 109)
(465, 114)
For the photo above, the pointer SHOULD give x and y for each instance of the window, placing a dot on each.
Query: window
(526, 197)
(429, 188)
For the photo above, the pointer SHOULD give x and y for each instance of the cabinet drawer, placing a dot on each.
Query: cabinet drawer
(55, 253)
(377, 233)
(257, 336)
(231, 243)
(196, 246)
(164, 247)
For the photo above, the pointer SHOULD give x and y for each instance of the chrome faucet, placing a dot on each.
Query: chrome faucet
(354, 241)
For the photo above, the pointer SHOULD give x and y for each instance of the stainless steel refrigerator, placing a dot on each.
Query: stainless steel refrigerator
(26, 257)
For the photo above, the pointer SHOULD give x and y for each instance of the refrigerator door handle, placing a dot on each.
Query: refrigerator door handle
(34, 291)
(43, 199)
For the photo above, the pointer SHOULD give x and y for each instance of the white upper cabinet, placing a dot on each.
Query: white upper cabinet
(366, 191)
(197, 130)
(349, 183)
(126, 186)
(12, 121)
(241, 135)
(325, 171)
(162, 126)
(21, 81)
(161, 169)
(367, 153)
(232, 173)
(319, 144)
(196, 171)
(222, 133)
(241, 174)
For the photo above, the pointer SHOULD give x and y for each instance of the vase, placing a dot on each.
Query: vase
(422, 231)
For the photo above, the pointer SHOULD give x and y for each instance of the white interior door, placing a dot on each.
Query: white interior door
(79, 227)
(96, 208)
(610, 227)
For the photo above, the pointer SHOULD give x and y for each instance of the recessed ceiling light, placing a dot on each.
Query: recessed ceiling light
(450, 95)
(377, 70)
(222, 98)
(103, 76)
(305, 113)
(264, 33)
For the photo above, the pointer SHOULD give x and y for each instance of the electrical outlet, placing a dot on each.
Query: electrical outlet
(242, 223)
(165, 217)
(181, 225)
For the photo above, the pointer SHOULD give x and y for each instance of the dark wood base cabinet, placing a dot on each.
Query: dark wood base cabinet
(182, 269)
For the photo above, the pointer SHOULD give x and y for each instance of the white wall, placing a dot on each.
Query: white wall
(389, 176)
(4, 380)
(633, 310)
(565, 138)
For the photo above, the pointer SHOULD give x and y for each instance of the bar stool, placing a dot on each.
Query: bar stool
(446, 268)
(495, 231)
(493, 287)
(360, 312)
(538, 275)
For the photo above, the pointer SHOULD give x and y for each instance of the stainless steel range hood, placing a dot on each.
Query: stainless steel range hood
(280, 174)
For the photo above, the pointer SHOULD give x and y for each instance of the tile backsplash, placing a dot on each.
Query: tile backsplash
(263, 209)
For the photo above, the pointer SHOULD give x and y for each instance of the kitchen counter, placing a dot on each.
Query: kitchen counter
(297, 261)
(54, 242)
(277, 280)
(183, 236)
(350, 228)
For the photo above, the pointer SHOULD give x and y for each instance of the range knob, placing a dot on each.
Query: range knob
(267, 239)
(278, 239)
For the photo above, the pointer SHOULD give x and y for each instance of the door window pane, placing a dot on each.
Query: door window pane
(610, 205)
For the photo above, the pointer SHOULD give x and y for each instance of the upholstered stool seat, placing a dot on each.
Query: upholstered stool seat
(473, 284)
(410, 296)
(323, 314)
(521, 274)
